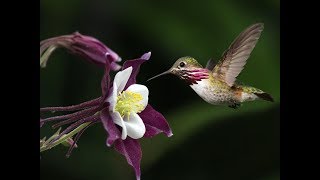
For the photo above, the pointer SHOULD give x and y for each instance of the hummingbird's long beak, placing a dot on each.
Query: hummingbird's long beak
(164, 73)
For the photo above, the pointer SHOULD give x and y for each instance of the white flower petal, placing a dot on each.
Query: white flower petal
(141, 89)
(121, 78)
(112, 99)
(135, 126)
(117, 119)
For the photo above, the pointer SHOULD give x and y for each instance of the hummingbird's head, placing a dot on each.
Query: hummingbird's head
(188, 69)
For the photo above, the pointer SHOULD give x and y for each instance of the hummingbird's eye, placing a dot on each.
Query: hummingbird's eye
(182, 64)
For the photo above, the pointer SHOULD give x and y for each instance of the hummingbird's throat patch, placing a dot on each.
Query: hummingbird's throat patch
(128, 102)
(195, 75)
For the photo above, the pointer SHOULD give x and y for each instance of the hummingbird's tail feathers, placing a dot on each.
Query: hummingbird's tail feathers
(251, 93)
(265, 96)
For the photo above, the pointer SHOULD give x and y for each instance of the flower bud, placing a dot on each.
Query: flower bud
(87, 47)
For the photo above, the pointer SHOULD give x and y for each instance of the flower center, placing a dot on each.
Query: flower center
(128, 102)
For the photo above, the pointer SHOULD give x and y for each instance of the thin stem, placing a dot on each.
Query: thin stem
(83, 105)
(68, 129)
(76, 139)
(56, 134)
(79, 113)
(84, 118)
(65, 137)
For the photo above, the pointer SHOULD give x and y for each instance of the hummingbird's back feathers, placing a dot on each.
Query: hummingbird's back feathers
(235, 57)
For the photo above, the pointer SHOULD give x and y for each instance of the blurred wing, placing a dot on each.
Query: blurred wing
(235, 57)
(210, 64)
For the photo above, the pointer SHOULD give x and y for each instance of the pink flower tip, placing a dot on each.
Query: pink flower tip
(146, 56)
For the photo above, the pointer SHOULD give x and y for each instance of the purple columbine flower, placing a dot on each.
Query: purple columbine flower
(124, 105)
(129, 109)
(85, 46)
(124, 111)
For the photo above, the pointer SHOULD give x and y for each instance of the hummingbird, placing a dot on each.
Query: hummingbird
(217, 83)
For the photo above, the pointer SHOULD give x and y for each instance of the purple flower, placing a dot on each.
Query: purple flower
(124, 105)
(124, 111)
(129, 109)
(85, 46)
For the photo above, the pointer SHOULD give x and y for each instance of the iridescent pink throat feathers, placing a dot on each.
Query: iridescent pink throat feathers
(194, 75)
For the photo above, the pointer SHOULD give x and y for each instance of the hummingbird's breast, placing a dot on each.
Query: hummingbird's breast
(213, 91)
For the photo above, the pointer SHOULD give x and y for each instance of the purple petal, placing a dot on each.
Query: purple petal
(105, 82)
(92, 49)
(131, 149)
(155, 122)
(110, 127)
(87, 47)
(146, 56)
(114, 66)
(135, 67)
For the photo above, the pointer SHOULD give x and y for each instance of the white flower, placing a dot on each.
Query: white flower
(124, 105)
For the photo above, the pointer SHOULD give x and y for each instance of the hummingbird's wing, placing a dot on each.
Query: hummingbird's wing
(210, 64)
(235, 57)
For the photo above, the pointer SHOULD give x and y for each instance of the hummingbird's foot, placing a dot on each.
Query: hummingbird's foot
(235, 105)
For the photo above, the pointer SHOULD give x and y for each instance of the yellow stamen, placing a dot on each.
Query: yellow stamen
(128, 102)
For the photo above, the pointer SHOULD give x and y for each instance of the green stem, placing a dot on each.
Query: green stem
(65, 137)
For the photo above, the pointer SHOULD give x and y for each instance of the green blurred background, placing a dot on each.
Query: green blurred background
(209, 142)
